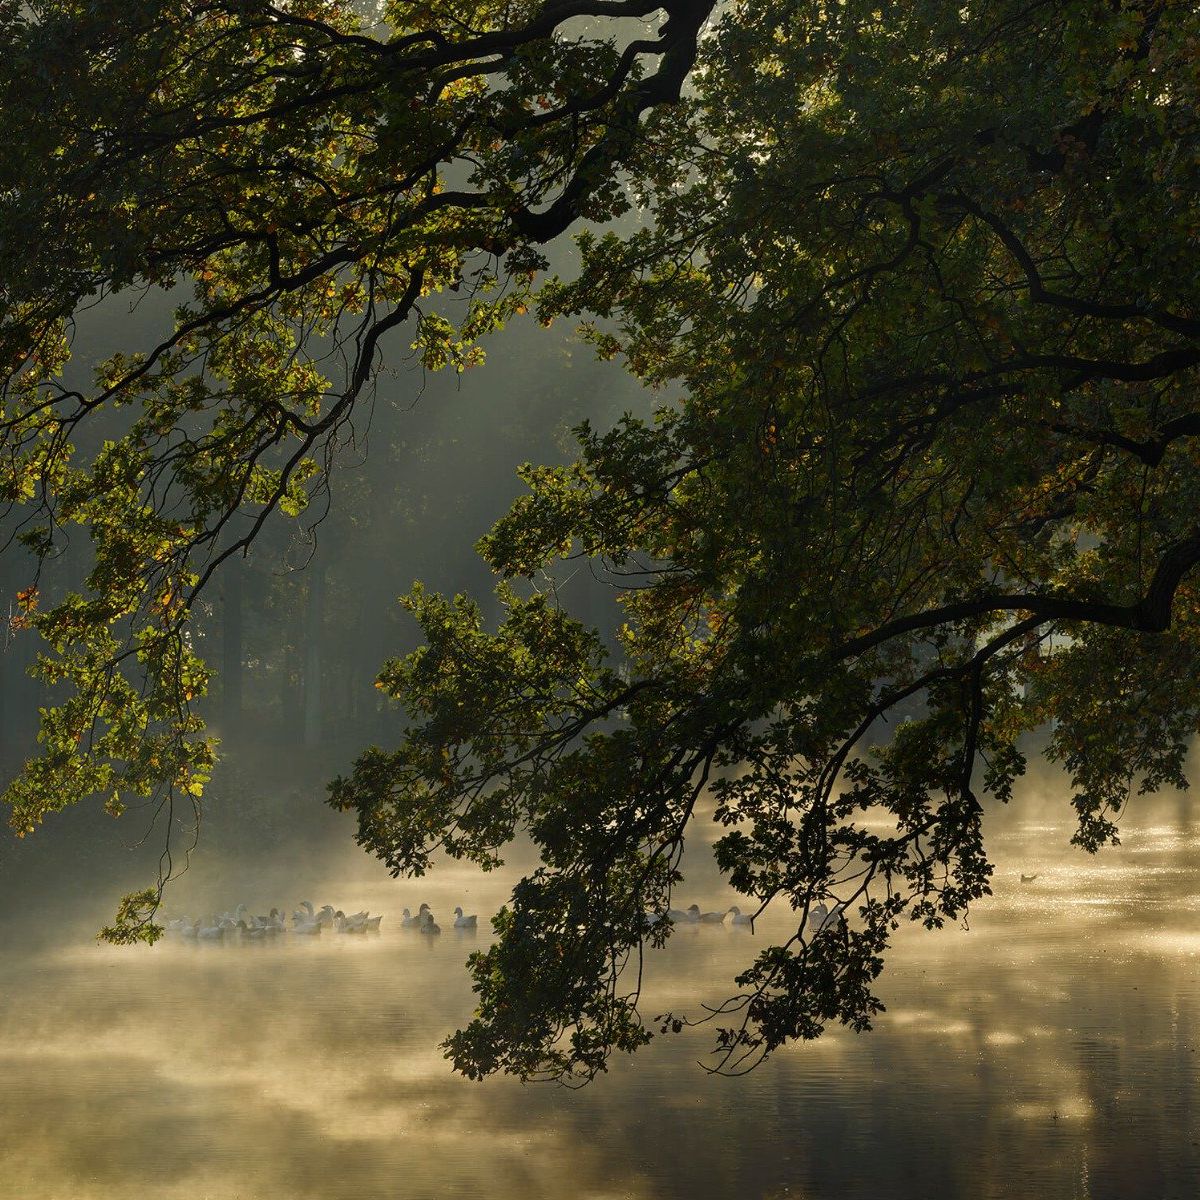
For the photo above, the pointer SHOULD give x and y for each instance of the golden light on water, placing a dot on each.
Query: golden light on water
(1054, 1041)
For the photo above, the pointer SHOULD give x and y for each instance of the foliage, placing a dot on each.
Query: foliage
(930, 480)
(913, 282)
(135, 919)
(305, 185)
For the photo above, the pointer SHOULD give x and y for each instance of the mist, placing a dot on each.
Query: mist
(1050, 1037)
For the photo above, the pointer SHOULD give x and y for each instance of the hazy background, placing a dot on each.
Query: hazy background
(1050, 1050)
(297, 632)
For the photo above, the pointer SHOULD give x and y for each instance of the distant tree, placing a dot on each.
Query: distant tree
(917, 281)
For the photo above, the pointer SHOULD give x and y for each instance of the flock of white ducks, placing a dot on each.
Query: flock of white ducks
(819, 917)
(306, 921)
(693, 916)
(424, 921)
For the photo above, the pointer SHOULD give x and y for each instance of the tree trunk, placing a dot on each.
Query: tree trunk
(17, 648)
(5, 723)
(231, 656)
(313, 620)
(291, 694)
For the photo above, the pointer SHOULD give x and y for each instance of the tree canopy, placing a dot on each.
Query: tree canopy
(914, 284)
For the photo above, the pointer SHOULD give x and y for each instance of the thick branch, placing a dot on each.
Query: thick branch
(1151, 614)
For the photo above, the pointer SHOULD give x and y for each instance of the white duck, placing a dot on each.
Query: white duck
(461, 922)
(371, 924)
(308, 913)
(408, 921)
(822, 917)
(712, 918)
(737, 917)
(305, 925)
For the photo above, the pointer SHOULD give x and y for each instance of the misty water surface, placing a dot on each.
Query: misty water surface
(1053, 1050)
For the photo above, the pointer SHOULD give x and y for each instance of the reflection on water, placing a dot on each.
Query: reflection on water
(1050, 1051)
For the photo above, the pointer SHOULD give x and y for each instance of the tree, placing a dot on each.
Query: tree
(935, 445)
(914, 280)
(310, 186)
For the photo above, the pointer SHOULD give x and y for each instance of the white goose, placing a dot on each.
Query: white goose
(822, 917)
(737, 917)
(461, 922)
(712, 918)
(306, 925)
(408, 921)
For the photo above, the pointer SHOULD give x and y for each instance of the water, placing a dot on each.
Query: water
(1053, 1050)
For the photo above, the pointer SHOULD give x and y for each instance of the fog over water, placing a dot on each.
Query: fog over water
(1051, 1050)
